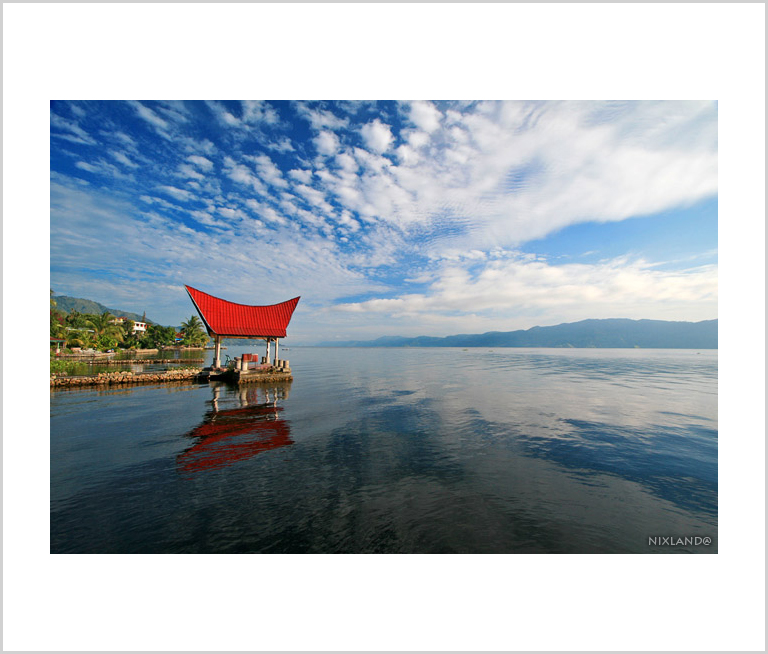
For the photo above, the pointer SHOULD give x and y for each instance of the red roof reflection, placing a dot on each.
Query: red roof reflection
(227, 437)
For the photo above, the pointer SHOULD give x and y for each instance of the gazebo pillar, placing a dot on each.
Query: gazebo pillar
(217, 353)
(277, 344)
(269, 342)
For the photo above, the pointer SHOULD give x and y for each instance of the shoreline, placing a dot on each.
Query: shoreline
(189, 375)
(95, 355)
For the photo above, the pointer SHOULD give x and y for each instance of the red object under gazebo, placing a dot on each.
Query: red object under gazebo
(224, 319)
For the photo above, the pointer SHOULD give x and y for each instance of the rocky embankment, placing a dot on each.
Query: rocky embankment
(127, 377)
(263, 377)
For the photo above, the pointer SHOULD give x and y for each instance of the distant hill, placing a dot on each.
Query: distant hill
(243, 342)
(65, 304)
(613, 333)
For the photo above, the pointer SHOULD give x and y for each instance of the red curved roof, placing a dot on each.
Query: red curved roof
(230, 319)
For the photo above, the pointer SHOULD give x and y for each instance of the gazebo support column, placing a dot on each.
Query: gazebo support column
(217, 353)
(277, 344)
(269, 341)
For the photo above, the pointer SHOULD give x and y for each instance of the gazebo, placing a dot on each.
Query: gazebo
(224, 319)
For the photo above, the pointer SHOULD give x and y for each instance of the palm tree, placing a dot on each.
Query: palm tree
(192, 325)
(58, 330)
(75, 319)
(78, 338)
(193, 331)
(102, 326)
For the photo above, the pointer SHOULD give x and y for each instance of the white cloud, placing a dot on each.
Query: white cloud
(86, 166)
(294, 262)
(326, 143)
(206, 218)
(177, 193)
(266, 212)
(314, 197)
(102, 167)
(242, 175)
(80, 135)
(506, 173)
(150, 116)
(73, 139)
(256, 111)
(188, 171)
(223, 115)
(174, 111)
(155, 200)
(268, 171)
(303, 176)
(516, 290)
(124, 138)
(348, 221)
(377, 136)
(197, 147)
(123, 159)
(425, 116)
(321, 119)
(416, 139)
(230, 213)
(201, 162)
(347, 162)
(283, 145)
(407, 155)
(77, 110)
(447, 207)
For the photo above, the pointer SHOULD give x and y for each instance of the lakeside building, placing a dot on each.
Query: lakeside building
(137, 326)
(224, 319)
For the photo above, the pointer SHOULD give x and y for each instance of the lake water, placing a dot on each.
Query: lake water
(433, 450)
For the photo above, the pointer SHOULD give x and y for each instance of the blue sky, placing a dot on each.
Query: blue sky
(389, 217)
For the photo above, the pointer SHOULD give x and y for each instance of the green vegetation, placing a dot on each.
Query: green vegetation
(103, 331)
(67, 304)
(62, 367)
(194, 335)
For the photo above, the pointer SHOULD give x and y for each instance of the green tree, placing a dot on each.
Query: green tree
(105, 342)
(103, 326)
(158, 336)
(57, 320)
(131, 338)
(58, 330)
(194, 335)
(79, 338)
(76, 320)
(192, 324)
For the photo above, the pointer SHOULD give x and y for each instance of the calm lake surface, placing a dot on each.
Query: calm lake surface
(433, 450)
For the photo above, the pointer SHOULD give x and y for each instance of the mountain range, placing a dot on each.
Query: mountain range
(66, 304)
(613, 333)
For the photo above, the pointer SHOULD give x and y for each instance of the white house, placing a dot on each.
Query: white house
(137, 326)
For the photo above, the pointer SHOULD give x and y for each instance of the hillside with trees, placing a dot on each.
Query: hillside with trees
(101, 330)
(66, 304)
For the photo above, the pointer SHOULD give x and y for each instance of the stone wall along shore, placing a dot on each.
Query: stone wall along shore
(119, 362)
(185, 375)
(126, 377)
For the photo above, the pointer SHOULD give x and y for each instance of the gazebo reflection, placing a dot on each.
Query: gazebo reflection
(228, 436)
